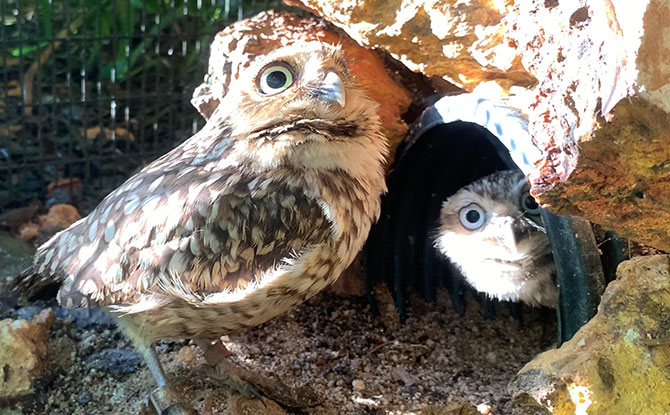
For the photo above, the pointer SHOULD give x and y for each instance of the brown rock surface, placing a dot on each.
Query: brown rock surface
(237, 45)
(568, 66)
(59, 216)
(619, 362)
(23, 349)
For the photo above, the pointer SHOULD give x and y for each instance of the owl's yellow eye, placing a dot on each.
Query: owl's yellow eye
(472, 217)
(275, 78)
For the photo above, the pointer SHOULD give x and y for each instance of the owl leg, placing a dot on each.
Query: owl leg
(162, 397)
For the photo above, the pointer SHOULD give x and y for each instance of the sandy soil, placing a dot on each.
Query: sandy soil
(355, 362)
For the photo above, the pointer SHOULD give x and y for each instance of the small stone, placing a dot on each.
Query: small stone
(484, 409)
(187, 355)
(358, 385)
(84, 398)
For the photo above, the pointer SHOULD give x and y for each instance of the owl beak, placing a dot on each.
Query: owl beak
(509, 232)
(331, 90)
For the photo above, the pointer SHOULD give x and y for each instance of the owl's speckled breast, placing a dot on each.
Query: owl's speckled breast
(274, 289)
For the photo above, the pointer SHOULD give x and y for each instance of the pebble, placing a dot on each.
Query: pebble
(84, 398)
(484, 409)
(358, 385)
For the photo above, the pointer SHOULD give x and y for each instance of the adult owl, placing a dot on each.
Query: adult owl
(257, 212)
(491, 229)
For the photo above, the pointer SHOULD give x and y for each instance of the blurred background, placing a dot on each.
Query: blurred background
(92, 90)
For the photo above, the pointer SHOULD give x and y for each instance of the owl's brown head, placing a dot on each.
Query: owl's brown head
(300, 105)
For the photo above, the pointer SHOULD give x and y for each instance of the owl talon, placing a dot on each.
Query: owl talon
(231, 375)
(250, 384)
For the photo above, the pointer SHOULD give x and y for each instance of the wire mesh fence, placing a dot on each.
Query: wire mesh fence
(91, 90)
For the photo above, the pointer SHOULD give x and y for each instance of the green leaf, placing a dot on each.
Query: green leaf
(16, 52)
(120, 66)
(44, 17)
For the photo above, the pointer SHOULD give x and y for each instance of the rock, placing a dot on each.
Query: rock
(358, 385)
(240, 405)
(399, 373)
(13, 219)
(29, 231)
(23, 350)
(187, 355)
(84, 398)
(591, 76)
(85, 318)
(59, 216)
(115, 361)
(237, 45)
(619, 362)
(28, 312)
(15, 256)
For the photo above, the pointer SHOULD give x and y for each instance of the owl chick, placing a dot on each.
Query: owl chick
(254, 214)
(491, 229)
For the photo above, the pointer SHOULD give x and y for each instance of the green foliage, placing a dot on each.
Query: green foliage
(119, 34)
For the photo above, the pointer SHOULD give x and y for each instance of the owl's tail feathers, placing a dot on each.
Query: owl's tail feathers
(30, 281)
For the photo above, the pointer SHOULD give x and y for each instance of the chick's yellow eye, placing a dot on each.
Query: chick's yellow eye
(275, 78)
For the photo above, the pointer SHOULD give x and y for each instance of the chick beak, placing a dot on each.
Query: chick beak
(331, 90)
(508, 232)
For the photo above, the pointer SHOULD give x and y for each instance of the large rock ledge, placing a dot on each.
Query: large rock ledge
(591, 76)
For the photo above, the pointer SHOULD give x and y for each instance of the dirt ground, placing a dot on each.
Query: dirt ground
(355, 362)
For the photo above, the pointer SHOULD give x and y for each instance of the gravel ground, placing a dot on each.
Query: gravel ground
(355, 362)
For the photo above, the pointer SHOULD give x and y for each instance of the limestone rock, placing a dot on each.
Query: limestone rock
(23, 350)
(590, 75)
(236, 46)
(619, 362)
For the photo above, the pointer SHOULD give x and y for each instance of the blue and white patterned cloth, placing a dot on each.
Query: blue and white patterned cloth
(510, 127)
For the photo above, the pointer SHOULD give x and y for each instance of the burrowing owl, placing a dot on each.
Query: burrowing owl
(254, 214)
(491, 229)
